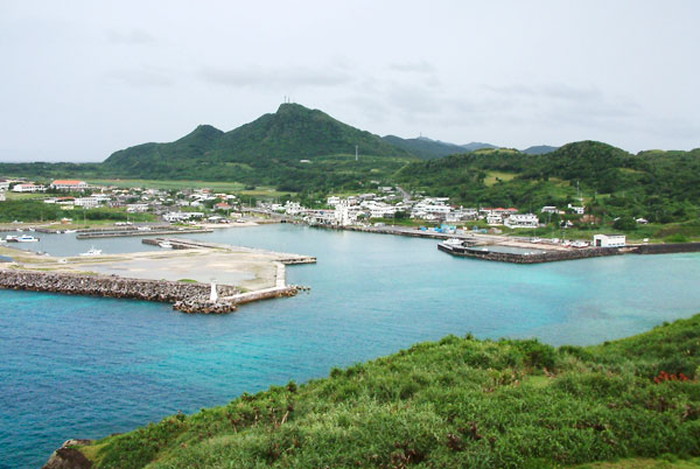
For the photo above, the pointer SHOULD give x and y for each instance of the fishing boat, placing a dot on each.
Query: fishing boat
(21, 239)
(165, 245)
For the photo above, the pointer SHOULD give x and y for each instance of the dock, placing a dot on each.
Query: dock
(536, 255)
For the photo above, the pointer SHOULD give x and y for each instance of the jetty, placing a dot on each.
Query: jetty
(538, 254)
(137, 231)
(195, 277)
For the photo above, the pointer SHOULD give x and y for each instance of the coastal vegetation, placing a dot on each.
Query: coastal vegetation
(459, 402)
(33, 210)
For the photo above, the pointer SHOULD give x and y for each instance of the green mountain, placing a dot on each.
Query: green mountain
(459, 402)
(273, 141)
(154, 158)
(424, 148)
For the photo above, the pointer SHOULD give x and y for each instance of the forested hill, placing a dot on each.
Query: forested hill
(292, 134)
(660, 186)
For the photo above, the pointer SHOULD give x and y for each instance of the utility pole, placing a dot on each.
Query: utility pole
(356, 153)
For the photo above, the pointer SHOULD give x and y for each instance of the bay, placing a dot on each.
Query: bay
(88, 367)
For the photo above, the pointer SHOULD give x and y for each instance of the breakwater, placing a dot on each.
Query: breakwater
(390, 230)
(671, 248)
(136, 232)
(529, 258)
(186, 297)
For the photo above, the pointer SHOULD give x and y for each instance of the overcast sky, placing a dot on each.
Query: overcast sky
(82, 79)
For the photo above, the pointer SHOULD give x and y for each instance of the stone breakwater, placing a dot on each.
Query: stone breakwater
(186, 297)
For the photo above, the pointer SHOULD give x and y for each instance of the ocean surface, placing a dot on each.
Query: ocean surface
(83, 367)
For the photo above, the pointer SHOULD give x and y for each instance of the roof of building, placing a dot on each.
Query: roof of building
(68, 182)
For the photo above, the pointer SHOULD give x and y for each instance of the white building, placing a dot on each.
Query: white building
(86, 202)
(577, 210)
(378, 209)
(174, 217)
(436, 207)
(137, 208)
(494, 219)
(609, 240)
(28, 188)
(549, 209)
(346, 213)
(2, 196)
(4, 185)
(69, 185)
(522, 220)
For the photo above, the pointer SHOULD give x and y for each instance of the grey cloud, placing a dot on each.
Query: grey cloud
(275, 78)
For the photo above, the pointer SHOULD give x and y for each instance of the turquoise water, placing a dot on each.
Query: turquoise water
(88, 367)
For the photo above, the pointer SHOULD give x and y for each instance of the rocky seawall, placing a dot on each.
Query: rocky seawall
(528, 258)
(189, 295)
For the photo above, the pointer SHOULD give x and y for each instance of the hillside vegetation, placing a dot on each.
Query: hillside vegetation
(296, 147)
(658, 186)
(459, 402)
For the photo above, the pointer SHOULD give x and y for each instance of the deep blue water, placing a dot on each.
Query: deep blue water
(88, 367)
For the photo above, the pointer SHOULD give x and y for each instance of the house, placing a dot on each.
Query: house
(86, 202)
(137, 208)
(609, 240)
(28, 187)
(576, 210)
(494, 219)
(549, 209)
(68, 185)
(4, 185)
(2, 196)
(222, 206)
(522, 220)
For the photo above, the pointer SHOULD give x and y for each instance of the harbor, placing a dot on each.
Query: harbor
(196, 277)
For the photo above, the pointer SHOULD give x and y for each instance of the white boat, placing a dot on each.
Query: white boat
(453, 242)
(579, 244)
(23, 239)
(92, 252)
(165, 245)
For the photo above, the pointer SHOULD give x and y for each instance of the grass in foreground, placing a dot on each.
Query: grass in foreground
(459, 402)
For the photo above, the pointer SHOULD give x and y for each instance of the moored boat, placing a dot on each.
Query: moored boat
(21, 239)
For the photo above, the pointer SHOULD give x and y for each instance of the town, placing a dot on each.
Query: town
(388, 207)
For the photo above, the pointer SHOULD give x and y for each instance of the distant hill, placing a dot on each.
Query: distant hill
(473, 146)
(291, 134)
(294, 149)
(423, 147)
(539, 150)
